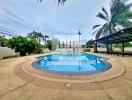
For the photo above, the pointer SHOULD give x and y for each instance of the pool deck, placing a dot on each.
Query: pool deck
(17, 82)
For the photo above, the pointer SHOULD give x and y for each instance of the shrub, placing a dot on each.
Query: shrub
(23, 45)
(87, 50)
(19, 44)
(49, 44)
(126, 44)
(34, 46)
(3, 41)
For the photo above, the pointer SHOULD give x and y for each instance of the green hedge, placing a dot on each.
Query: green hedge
(87, 50)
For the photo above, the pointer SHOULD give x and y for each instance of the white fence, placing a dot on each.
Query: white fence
(117, 49)
(4, 51)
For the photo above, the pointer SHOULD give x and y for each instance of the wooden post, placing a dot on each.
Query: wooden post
(110, 48)
(123, 46)
(95, 47)
(107, 47)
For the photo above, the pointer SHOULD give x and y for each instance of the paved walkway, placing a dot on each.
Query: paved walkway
(13, 87)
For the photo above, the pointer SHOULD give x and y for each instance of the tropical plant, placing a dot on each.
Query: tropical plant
(49, 44)
(87, 50)
(55, 44)
(36, 35)
(89, 44)
(3, 41)
(24, 46)
(126, 44)
(119, 17)
(34, 46)
(45, 37)
(19, 44)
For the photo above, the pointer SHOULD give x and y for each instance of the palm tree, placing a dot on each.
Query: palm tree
(40, 37)
(120, 17)
(33, 35)
(36, 35)
(46, 37)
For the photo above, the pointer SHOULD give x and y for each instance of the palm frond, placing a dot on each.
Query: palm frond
(102, 31)
(125, 23)
(105, 11)
(128, 15)
(95, 32)
(120, 11)
(120, 15)
(59, 1)
(113, 28)
(99, 33)
(96, 26)
(102, 16)
(106, 29)
(129, 5)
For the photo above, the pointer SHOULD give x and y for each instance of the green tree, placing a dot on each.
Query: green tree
(49, 44)
(24, 46)
(120, 17)
(126, 44)
(3, 41)
(19, 44)
(45, 39)
(34, 46)
(55, 43)
(89, 44)
(36, 35)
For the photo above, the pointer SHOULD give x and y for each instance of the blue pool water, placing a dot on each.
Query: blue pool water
(71, 63)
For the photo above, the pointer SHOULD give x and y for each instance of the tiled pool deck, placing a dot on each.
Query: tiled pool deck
(19, 81)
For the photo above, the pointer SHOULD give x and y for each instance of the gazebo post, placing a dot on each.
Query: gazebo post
(111, 48)
(123, 46)
(95, 46)
(107, 46)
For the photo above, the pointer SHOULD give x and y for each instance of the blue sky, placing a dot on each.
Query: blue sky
(48, 18)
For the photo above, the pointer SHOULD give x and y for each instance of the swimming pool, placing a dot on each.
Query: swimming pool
(72, 63)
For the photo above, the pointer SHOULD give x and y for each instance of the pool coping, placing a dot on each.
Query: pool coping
(117, 70)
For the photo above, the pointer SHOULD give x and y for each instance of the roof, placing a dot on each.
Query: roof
(124, 35)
